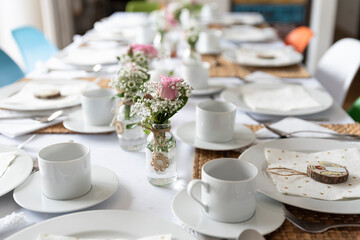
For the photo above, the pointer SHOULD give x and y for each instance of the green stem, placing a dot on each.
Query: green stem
(127, 112)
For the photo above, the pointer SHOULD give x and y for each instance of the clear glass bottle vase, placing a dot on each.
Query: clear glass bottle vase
(161, 45)
(161, 155)
(191, 56)
(129, 139)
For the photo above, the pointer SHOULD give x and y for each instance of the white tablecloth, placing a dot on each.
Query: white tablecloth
(135, 193)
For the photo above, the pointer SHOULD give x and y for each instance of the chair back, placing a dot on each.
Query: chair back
(33, 46)
(338, 66)
(299, 38)
(141, 6)
(354, 110)
(9, 70)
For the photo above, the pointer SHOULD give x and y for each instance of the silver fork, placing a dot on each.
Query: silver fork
(284, 134)
(263, 121)
(314, 227)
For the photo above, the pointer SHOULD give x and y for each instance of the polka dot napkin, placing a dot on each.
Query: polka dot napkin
(305, 186)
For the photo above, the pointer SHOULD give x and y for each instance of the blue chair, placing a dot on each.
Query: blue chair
(33, 46)
(9, 70)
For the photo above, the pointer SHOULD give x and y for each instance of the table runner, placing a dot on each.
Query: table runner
(228, 69)
(288, 230)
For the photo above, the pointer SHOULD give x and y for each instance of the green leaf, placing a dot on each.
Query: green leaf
(131, 126)
(147, 132)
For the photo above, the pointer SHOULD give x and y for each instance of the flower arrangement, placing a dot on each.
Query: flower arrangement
(164, 20)
(175, 8)
(129, 79)
(140, 54)
(161, 100)
(192, 35)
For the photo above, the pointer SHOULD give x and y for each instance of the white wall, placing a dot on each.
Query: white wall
(13, 14)
(322, 22)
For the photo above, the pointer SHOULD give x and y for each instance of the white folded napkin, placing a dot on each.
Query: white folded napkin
(17, 127)
(13, 222)
(6, 158)
(70, 94)
(305, 186)
(284, 97)
(291, 124)
(56, 237)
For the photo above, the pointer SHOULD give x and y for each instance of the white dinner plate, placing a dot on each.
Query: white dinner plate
(247, 18)
(14, 88)
(234, 95)
(249, 56)
(249, 34)
(212, 89)
(102, 224)
(243, 136)
(267, 218)
(29, 194)
(18, 170)
(209, 51)
(265, 185)
(75, 122)
(87, 56)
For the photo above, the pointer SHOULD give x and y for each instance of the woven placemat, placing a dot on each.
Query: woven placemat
(59, 128)
(287, 230)
(228, 69)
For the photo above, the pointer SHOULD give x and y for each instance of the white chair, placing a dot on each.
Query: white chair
(338, 66)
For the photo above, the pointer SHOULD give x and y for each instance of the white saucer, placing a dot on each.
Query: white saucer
(29, 194)
(243, 137)
(75, 122)
(212, 89)
(267, 218)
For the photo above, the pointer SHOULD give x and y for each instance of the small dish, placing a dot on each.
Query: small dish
(29, 194)
(212, 89)
(75, 122)
(267, 218)
(243, 136)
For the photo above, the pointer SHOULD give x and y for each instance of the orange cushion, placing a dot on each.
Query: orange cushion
(299, 38)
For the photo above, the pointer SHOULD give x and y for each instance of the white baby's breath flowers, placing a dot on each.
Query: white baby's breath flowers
(129, 79)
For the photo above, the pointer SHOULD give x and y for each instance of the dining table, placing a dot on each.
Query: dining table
(135, 193)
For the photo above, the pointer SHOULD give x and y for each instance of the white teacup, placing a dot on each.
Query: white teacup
(65, 170)
(209, 41)
(97, 106)
(228, 190)
(196, 75)
(215, 121)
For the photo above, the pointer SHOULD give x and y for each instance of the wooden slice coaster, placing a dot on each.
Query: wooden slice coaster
(327, 172)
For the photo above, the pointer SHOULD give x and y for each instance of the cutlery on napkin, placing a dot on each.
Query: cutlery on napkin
(44, 236)
(6, 158)
(291, 124)
(302, 185)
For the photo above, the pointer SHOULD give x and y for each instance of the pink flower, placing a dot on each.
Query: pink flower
(171, 18)
(168, 87)
(148, 49)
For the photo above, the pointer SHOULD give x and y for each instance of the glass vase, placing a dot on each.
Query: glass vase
(191, 56)
(129, 139)
(163, 48)
(161, 155)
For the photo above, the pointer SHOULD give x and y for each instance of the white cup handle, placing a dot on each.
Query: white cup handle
(190, 188)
